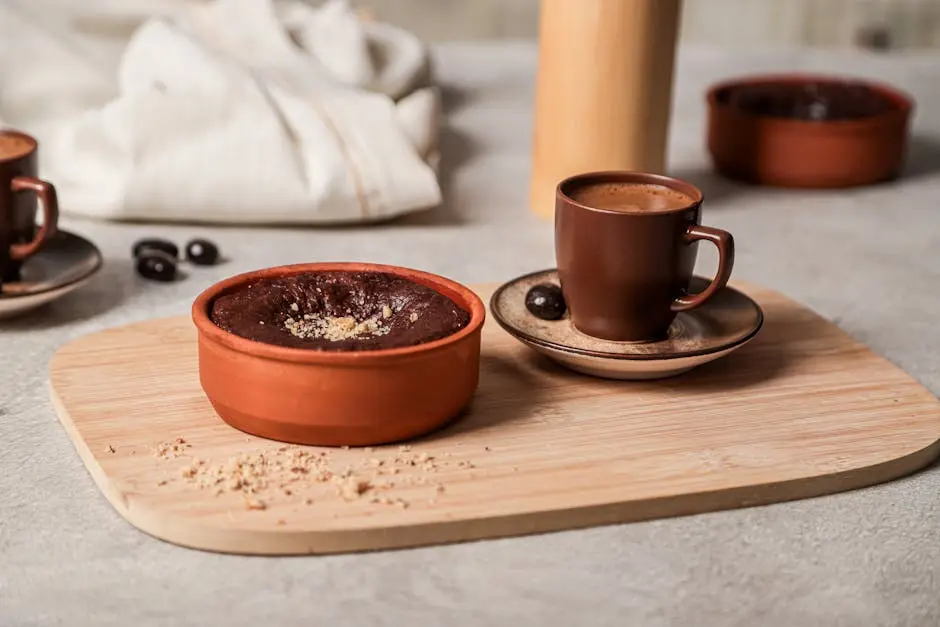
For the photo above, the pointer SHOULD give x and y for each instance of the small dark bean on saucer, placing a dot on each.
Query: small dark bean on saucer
(156, 243)
(156, 265)
(545, 301)
(202, 252)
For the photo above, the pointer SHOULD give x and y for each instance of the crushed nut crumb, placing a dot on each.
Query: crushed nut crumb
(170, 450)
(351, 488)
(255, 504)
(335, 328)
(289, 471)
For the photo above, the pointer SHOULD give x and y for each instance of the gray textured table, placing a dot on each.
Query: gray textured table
(868, 259)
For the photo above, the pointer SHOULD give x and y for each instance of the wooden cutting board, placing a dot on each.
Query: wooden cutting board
(801, 411)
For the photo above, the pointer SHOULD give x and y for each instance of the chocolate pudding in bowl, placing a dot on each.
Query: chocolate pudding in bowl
(333, 354)
(338, 311)
(811, 100)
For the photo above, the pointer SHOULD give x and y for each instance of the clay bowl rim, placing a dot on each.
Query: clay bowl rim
(904, 103)
(440, 284)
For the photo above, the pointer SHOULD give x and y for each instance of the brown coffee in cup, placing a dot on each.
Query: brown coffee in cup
(19, 189)
(14, 145)
(631, 197)
(626, 243)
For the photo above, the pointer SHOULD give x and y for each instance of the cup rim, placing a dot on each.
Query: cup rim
(629, 176)
(464, 296)
(34, 144)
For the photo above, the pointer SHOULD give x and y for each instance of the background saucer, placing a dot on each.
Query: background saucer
(65, 263)
(696, 337)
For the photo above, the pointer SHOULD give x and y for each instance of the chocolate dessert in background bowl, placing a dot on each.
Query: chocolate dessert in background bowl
(807, 131)
(338, 354)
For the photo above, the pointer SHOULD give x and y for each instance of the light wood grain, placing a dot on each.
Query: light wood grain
(603, 90)
(801, 411)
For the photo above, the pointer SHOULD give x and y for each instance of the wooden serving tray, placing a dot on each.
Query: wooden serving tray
(801, 411)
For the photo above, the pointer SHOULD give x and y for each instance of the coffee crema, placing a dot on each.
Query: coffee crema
(630, 197)
(12, 145)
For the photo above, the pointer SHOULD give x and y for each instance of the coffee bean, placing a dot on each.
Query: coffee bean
(545, 301)
(202, 252)
(155, 243)
(156, 265)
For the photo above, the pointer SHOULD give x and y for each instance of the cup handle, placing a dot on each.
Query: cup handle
(50, 214)
(725, 244)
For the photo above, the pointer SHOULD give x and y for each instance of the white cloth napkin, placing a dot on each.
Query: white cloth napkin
(221, 111)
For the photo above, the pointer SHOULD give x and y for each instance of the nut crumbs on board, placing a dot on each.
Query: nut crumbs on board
(351, 488)
(169, 450)
(255, 504)
(287, 472)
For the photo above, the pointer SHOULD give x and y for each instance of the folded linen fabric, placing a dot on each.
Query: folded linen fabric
(226, 111)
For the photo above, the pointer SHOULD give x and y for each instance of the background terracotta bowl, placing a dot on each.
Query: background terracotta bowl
(810, 154)
(332, 398)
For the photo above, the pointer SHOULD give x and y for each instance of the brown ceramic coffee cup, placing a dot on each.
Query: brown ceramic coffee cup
(19, 189)
(625, 244)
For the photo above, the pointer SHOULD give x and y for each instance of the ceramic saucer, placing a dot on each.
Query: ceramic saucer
(723, 324)
(66, 262)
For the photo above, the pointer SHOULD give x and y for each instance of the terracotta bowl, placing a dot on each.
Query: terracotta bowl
(329, 398)
(788, 152)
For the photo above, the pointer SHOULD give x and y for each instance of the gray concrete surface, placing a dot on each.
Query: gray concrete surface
(868, 259)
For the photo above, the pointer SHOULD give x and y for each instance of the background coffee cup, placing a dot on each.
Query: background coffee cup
(625, 272)
(19, 189)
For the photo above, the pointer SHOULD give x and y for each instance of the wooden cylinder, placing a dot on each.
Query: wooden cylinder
(604, 90)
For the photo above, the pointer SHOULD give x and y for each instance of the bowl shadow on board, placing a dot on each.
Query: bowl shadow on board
(111, 286)
(506, 393)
